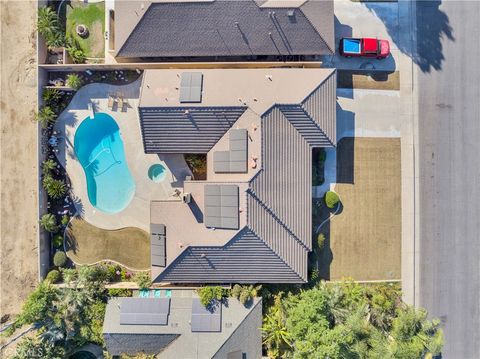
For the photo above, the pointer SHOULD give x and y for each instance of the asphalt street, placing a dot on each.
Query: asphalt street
(448, 83)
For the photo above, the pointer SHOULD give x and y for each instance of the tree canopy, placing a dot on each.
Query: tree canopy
(349, 320)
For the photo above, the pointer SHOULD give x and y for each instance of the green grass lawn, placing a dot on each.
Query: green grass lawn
(93, 16)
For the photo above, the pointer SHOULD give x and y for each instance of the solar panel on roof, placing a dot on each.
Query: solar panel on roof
(144, 311)
(191, 87)
(206, 320)
(221, 206)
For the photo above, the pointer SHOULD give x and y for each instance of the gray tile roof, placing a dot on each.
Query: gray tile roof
(185, 129)
(274, 245)
(177, 340)
(224, 28)
(245, 259)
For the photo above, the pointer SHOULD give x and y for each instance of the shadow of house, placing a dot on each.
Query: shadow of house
(196, 211)
(177, 166)
(345, 119)
(432, 25)
(346, 160)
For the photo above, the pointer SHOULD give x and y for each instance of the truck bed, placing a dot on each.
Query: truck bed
(352, 46)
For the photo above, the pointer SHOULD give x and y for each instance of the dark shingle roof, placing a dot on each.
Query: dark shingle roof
(229, 28)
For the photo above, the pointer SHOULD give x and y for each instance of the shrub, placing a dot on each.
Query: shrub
(65, 220)
(48, 166)
(120, 292)
(48, 25)
(74, 81)
(321, 241)
(53, 276)
(76, 53)
(60, 259)
(49, 222)
(54, 188)
(236, 290)
(114, 272)
(57, 240)
(69, 274)
(51, 97)
(143, 280)
(331, 199)
(210, 293)
(245, 293)
(46, 116)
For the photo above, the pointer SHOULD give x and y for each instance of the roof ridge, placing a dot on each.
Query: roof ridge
(274, 216)
(311, 23)
(312, 121)
(135, 27)
(239, 325)
(275, 252)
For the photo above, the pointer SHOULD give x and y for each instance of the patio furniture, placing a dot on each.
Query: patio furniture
(168, 293)
(157, 293)
(144, 293)
(111, 101)
(124, 106)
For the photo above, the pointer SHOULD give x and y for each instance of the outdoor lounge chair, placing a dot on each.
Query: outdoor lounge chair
(120, 102)
(144, 293)
(124, 106)
(111, 101)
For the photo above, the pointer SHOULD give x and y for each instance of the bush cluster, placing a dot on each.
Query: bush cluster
(331, 199)
(60, 259)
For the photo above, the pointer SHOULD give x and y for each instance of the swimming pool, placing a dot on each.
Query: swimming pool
(99, 148)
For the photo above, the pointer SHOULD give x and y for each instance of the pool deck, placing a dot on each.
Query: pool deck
(137, 213)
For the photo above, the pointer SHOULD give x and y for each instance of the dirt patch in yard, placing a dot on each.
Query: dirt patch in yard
(87, 244)
(18, 155)
(370, 80)
(364, 239)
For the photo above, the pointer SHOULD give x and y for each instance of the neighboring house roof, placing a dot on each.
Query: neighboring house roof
(297, 111)
(240, 331)
(223, 28)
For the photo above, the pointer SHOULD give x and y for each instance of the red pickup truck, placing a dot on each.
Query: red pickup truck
(365, 47)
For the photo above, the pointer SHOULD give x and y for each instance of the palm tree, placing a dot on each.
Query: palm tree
(48, 166)
(49, 222)
(51, 97)
(275, 335)
(46, 116)
(74, 81)
(49, 27)
(55, 188)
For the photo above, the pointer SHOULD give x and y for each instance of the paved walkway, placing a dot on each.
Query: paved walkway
(137, 213)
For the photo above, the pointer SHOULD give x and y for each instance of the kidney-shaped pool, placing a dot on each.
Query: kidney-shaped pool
(99, 148)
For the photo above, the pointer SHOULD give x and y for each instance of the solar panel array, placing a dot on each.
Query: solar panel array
(234, 160)
(191, 87)
(144, 311)
(157, 245)
(221, 206)
(206, 320)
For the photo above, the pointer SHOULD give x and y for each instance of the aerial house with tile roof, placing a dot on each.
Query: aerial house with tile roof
(160, 30)
(250, 221)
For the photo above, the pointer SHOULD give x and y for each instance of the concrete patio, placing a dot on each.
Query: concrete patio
(137, 213)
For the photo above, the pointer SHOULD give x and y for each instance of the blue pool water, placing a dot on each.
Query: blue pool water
(157, 173)
(99, 148)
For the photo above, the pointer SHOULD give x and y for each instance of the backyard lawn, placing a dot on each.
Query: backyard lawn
(87, 244)
(93, 17)
(364, 239)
